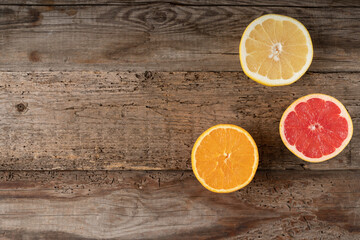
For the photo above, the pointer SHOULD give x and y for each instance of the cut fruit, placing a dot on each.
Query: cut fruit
(275, 50)
(224, 158)
(316, 127)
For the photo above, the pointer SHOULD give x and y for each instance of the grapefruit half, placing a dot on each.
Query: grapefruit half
(316, 127)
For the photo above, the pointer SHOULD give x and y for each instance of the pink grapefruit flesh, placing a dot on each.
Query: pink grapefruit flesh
(316, 127)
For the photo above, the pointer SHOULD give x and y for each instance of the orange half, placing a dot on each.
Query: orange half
(225, 158)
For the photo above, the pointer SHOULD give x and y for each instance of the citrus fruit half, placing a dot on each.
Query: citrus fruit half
(275, 50)
(316, 127)
(224, 158)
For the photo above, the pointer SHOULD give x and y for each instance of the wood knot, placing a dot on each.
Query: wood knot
(34, 56)
(148, 74)
(21, 107)
(158, 16)
(35, 16)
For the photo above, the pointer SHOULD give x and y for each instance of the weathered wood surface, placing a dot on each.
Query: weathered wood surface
(163, 36)
(163, 205)
(113, 119)
(262, 3)
(173, 205)
(144, 121)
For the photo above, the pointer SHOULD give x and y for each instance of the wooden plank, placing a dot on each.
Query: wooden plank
(173, 205)
(287, 3)
(134, 120)
(161, 36)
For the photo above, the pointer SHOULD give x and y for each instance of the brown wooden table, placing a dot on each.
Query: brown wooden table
(101, 102)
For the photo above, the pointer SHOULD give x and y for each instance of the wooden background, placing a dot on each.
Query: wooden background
(101, 102)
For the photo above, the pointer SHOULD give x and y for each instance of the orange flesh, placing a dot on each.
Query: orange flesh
(276, 49)
(225, 158)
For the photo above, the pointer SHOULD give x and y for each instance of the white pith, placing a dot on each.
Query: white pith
(343, 113)
(315, 126)
(276, 50)
(263, 79)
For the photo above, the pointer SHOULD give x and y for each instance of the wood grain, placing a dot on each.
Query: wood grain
(163, 36)
(150, 120)
(284, 3)
(129, 85)
(173, 205)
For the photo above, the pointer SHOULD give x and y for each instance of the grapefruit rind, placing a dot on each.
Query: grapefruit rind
(196, 145)
(344, 113)
(260, 78)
